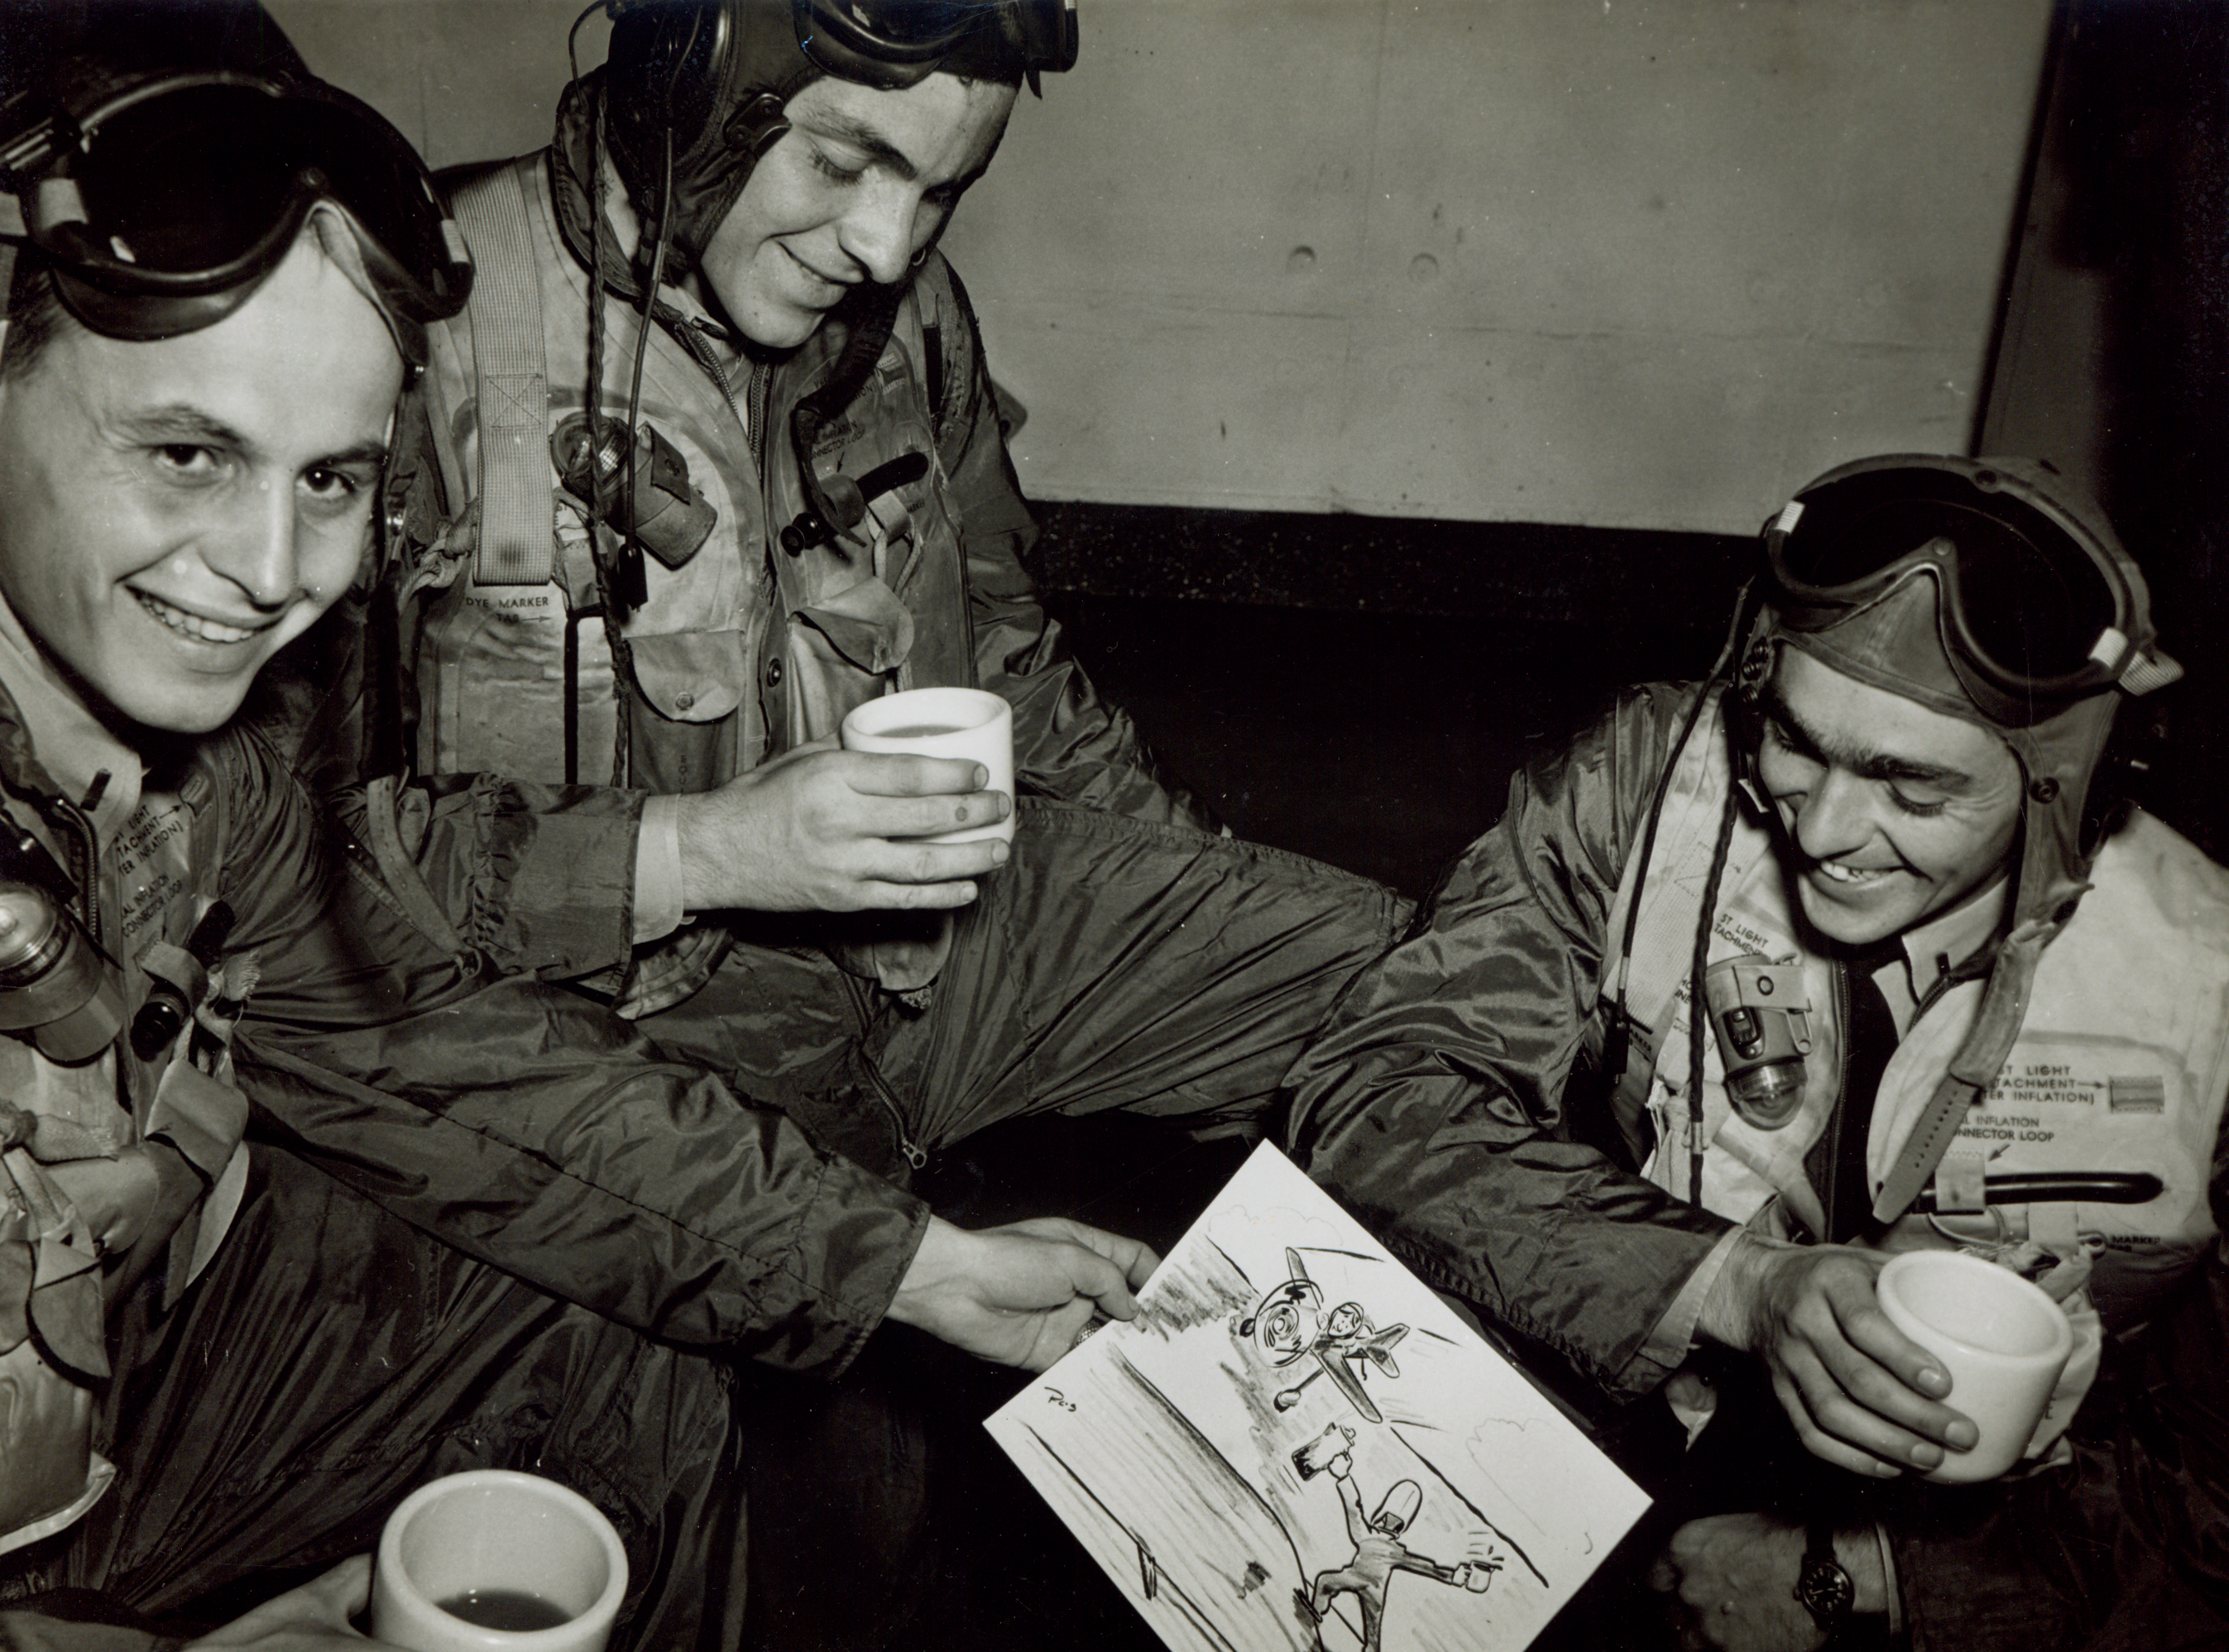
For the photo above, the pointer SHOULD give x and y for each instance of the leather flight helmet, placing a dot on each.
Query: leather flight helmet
(1992, 590)
(714, 76)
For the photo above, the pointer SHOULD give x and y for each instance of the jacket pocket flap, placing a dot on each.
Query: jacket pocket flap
(691, 676)
(866, 624)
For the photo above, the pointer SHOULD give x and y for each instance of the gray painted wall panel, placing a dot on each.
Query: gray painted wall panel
(1622, 263)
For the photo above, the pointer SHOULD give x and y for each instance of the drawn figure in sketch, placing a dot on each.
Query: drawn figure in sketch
(1379, 1552)
(1289, 1323)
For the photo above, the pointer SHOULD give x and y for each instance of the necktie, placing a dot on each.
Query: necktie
(1836, 1162)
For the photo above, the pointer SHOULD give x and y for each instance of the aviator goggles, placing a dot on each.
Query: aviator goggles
(2036, 610)
(163, 206)
(892, 44)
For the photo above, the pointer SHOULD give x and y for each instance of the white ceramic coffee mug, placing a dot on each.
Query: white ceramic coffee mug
(2002, 1340)
(944, 722)
(494, 1560)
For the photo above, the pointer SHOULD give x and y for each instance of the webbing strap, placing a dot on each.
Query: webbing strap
(517, 541)
(1972, 1070)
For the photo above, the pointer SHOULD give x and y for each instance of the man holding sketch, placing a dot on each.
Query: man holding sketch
(711, 460)
(542, 1243)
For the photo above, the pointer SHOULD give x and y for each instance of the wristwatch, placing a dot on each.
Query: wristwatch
(1825, 1589)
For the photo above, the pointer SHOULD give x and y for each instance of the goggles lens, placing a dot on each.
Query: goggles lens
(202, 190)
(2023, 598)
(922, 22)
(902, 42)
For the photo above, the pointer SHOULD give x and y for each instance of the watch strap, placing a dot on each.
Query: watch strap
(1822, 1586)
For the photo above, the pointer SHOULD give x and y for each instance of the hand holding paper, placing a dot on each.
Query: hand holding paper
(1017, 1295)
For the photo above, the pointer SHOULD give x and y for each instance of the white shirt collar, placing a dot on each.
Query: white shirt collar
(1934, 948)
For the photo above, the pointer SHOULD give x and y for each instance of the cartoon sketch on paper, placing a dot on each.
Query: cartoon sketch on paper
(1379, 1549)
(1289, 1321)
(1203, 1539)
(1423, 1498)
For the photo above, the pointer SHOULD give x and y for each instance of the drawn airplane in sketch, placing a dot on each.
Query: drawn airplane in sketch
(1289, 1323)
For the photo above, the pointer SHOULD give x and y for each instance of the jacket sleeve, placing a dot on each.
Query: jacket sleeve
(1434, 1102)
(2127, 1548)
(539, 879)
(529, 1128)
(1068, 743)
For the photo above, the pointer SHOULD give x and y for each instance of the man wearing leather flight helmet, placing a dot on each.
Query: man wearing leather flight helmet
(1879, 851)
(221, 1366)
(787, 494)
(713, 346)
(712, 342)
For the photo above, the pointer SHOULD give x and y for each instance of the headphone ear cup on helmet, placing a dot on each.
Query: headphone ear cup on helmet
(668, 59)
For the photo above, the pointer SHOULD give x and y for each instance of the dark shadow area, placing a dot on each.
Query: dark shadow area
(1360, 689)
(1382, 743)
(2113, 359)
(2147, 122)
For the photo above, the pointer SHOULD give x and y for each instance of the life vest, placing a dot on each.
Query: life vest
(739, 650)
(2121, 1062)
(156, 883)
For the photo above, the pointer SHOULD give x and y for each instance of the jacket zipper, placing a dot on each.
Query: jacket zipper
(915, 1155)
(85, 864)
(689, 331)
(755, 430)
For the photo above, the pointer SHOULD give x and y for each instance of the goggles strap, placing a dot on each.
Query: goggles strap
(62, 203)
(2148, 670)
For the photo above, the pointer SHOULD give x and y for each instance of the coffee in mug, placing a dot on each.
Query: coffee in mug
(494, 1560)
(517, 1610)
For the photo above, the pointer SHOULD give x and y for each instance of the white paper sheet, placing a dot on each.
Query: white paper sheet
(1224, 1455)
